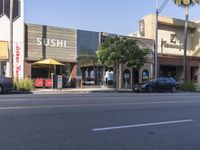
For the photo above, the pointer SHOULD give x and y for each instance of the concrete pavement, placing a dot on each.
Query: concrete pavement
(73, 90)
(84, 89)
(100, 121)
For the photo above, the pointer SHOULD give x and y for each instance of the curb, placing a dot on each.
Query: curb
(78, 91)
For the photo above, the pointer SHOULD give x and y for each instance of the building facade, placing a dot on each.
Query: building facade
(170, 46)
(18, 38)
(76, 49)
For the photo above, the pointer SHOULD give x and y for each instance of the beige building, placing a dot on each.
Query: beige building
(170, 46)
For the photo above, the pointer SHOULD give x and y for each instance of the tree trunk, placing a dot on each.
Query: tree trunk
(11, 41)
(104, 72)
(117, 76)
(185, 43)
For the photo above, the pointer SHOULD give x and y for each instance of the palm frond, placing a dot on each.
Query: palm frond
(185, 2)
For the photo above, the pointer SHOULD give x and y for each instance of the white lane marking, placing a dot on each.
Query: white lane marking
(11, 100)
(33, 107)
(142, 125)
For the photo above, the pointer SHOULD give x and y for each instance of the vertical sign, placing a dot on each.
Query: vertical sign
(18, 60)
(142, 27)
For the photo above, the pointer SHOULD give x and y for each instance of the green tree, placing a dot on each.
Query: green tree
(186, 4)
(116, 50)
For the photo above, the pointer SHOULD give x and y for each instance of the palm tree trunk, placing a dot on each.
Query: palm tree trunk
(11, 41)
(185, 43)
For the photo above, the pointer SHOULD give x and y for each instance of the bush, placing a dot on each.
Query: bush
(187, 86)
(25, 84)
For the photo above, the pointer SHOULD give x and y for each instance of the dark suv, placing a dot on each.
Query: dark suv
(160, 84)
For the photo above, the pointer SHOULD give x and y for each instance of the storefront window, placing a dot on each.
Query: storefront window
(3, 68)
(126, 78)
(145, 75)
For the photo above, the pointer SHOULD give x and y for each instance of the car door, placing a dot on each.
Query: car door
(162, 84)
(157, 86)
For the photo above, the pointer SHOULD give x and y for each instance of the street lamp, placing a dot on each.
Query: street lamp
(11, 41)
(158, 11)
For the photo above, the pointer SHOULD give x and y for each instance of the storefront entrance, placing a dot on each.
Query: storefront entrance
(92, 73)
(175, 72)
(135, 76)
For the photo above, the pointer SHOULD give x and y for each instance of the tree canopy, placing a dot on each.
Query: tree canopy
(121, 50)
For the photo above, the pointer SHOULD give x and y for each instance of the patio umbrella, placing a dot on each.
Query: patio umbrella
(49, 62)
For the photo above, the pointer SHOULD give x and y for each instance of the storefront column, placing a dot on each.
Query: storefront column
(198, 77)
(27, 68)
(95, 72)
(73, 74)
(188, 67)
(0, 68)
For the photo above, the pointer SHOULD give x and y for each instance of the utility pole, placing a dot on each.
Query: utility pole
(11, 41)
(158, 11)
(156, 44)
(185, 44)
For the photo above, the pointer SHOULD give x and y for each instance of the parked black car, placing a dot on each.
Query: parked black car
(6, 84)
(160, 84)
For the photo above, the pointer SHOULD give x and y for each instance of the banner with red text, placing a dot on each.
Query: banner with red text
(18, 60)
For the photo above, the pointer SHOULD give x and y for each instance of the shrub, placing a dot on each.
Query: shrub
(25, 84)
(187, 86)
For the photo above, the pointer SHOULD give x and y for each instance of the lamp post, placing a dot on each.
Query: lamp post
(158, 10)
(11, 41)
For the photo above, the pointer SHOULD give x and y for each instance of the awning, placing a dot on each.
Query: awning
(48, 62)
(3, 50)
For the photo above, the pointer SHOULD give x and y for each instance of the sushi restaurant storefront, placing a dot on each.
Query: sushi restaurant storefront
(57, 44)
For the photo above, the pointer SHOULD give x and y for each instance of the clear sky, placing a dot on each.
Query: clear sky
(113, 16)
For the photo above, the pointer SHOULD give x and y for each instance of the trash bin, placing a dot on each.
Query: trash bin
(79, 81)
(57, 82)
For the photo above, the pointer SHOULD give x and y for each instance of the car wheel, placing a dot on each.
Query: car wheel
(173, 90)
(150, 89)
(1, 89)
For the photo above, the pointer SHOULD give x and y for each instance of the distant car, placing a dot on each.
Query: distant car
(160, 84)
(6, 84)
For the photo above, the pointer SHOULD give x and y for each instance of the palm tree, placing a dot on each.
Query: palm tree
(186, 4)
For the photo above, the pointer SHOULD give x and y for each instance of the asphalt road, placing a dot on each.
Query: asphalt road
(100, 121)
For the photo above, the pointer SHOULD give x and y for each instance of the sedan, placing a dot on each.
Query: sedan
(6, 84)
(160, 84)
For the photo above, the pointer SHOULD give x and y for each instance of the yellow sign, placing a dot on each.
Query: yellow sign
(3, 50)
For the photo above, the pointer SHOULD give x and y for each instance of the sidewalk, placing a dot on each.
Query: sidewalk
(88, 89)
(73, 90)
(85, 89)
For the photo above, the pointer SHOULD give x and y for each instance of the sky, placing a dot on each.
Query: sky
(113, 16)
